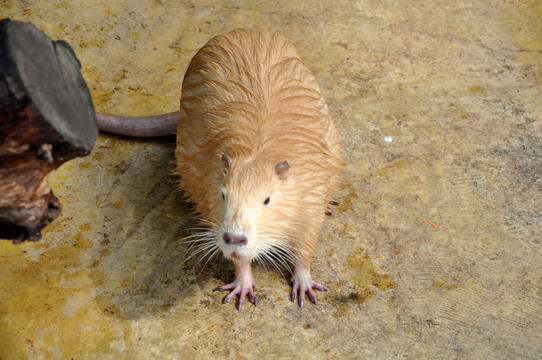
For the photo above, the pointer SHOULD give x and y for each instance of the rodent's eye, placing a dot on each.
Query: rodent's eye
(223, 196)
(266, 201)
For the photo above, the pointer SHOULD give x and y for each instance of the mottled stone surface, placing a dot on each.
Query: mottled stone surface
(435, 251)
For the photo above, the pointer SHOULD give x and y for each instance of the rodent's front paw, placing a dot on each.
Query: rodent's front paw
(302, 285)
(238, 289)
(243, 285)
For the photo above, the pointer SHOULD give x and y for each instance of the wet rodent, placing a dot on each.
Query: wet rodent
(258, 155)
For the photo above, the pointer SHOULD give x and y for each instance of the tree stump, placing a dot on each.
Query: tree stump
(46, 118)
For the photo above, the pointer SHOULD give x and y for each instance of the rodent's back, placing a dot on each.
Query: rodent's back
(247, 94)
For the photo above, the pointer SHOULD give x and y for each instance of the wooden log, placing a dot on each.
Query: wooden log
(46, 118)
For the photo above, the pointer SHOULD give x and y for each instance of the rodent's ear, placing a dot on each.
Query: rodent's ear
(281, 169)
(226, 161)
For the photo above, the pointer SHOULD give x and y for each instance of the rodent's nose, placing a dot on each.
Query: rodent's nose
(234, 239)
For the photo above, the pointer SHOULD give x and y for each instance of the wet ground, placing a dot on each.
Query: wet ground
(434, 253)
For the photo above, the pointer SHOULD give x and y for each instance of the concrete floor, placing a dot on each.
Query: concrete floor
(435, 252)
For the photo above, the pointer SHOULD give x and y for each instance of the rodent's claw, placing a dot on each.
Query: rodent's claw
(228, 297)
(300, 289)
(252, 298)
(312, 297)
(244, 293)
(320, 287)
(224, 287)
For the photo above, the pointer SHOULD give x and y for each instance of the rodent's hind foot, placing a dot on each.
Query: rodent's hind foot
(303, 286)
(243, 285)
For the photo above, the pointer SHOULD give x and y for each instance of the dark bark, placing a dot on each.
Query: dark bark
(46, 118)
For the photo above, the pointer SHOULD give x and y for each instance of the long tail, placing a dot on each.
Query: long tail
(139, 126)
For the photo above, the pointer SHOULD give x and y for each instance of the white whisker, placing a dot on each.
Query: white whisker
(200, 220)
(199, 238)
(210, 254)
(199, 250)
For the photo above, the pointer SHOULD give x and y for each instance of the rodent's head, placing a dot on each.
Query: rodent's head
(251, 200)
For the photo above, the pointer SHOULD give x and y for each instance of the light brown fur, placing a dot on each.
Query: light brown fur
(249, 96)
